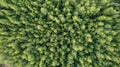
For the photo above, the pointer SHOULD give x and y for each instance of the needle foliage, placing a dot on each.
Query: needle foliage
(60, 33)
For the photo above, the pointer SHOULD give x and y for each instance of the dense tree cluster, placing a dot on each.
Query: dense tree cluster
(60, 33)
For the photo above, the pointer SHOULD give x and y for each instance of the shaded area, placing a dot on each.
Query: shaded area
(3, 65)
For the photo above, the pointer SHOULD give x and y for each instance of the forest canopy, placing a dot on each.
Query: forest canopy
(60, 33)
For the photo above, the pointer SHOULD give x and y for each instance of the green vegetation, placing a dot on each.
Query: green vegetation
(60, 33)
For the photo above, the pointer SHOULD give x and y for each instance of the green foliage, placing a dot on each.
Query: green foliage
(60, 33)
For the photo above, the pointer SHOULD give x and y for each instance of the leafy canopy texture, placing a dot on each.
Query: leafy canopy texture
(60, 33)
